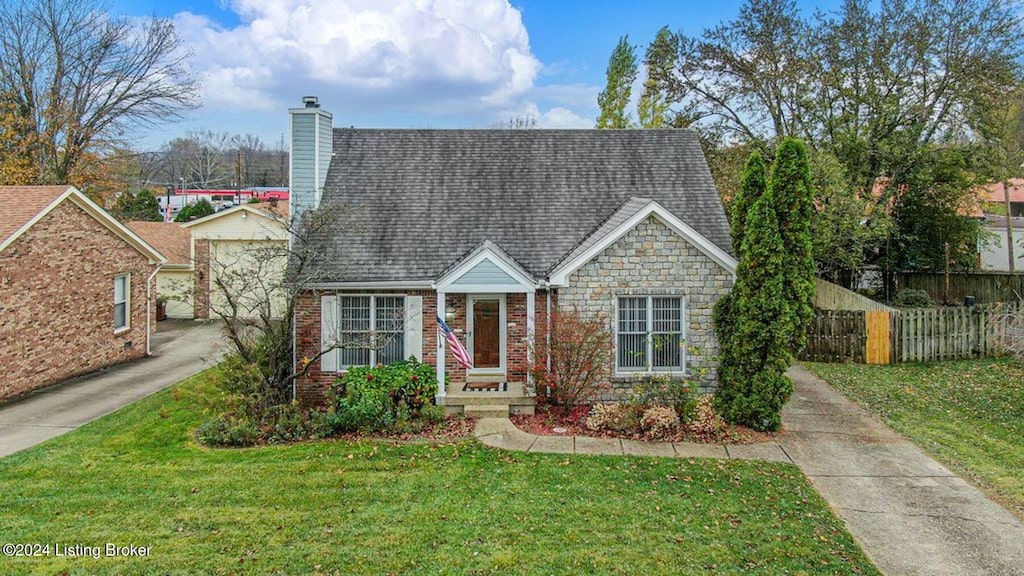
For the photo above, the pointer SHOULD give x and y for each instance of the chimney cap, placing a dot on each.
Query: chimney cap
(311, 101)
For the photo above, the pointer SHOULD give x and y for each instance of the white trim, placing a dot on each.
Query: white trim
(501, 368)
(531, 313)
(379, 285)
(342, 367)
(487, 288)
(649, 369)
(127, 303)
(560, 276)
(487, 251)
(101, 216)
(440, 360)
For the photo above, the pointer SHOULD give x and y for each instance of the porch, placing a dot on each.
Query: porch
(490, 305)
(501, 400)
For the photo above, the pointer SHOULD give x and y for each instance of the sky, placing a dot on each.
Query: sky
(408, 63)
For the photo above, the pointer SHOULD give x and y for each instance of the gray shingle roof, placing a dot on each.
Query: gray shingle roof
(415, 201)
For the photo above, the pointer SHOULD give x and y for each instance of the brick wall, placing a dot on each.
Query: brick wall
(310, 388)
(57, 301)
(652, 259)
(201, 278)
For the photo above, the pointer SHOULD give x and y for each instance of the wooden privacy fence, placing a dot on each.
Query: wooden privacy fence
(985, 287)
(909, 335)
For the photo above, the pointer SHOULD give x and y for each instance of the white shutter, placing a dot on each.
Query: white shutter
(329, 332)
(414, 327)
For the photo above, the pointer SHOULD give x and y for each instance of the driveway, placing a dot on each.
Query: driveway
(180, 349)
(909, 513)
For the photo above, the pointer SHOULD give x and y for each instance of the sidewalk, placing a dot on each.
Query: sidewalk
(178, 352)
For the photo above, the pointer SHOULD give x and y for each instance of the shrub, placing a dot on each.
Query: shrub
(662, 391)
(659, 422)
(220, 432)
(706, 425)
(912, 298)
(384, 397)
(618, 418)
(581, 359)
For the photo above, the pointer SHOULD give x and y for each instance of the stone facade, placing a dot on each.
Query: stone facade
(57, 301)
(652, 259)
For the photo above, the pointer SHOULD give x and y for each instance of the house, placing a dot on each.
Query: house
(75, 288)
(241, 250)
(174, 280)
(491, 229)
(993, 254)
(228, 244)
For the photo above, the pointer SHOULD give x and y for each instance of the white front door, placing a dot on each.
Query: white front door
(485, 322)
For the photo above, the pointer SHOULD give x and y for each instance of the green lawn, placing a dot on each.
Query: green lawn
(137, 477)
(968, 414)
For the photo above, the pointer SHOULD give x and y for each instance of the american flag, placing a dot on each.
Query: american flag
(461, 356)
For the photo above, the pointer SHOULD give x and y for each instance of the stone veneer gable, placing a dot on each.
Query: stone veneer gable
(653, 259)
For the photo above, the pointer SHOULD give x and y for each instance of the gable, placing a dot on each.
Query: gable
(92, 210)
(485, 273)
(238, 224)
(626, 221)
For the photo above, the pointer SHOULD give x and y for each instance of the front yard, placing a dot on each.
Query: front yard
(968, 414)
(137, 477)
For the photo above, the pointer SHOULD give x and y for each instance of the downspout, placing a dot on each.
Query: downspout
(547, 325)
(149, 300)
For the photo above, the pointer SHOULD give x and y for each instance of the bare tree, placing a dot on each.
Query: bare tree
(520, 122)
(84, 80)
(257, 289)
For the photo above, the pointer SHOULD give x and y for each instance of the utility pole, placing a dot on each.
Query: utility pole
(1009, 226)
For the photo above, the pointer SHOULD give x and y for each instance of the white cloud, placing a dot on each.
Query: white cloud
(559, 117)
(426, 55)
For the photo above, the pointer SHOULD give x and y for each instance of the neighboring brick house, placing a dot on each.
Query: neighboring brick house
(75, 288)
(487, 229)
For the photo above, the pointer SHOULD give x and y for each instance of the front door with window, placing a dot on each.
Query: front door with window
(487, 333)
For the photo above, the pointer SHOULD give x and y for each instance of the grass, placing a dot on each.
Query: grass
(137, 477)
(967, 414)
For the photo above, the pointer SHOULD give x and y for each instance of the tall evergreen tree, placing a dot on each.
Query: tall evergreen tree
(659, 64)
(753, 386)
(790, 184)
(752, 187)
(622, 70)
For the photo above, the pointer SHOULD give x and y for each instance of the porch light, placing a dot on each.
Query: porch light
(449, 316)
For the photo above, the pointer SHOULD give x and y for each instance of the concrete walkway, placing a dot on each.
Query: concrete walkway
(909, 513)
(501, 433)
(180, 349)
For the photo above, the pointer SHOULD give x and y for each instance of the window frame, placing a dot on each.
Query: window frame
(372, 353)
(126, 302)
(648, 366)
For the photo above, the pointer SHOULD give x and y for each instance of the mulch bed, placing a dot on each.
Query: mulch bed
(574, 423)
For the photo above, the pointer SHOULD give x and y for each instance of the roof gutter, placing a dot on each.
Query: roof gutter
(379, 284)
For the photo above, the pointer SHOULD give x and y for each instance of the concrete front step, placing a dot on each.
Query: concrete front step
(487, 411)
